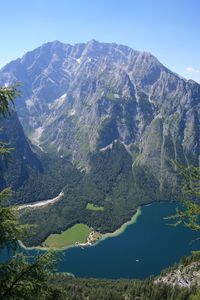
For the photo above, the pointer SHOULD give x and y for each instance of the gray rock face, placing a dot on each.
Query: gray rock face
(78, 99)
(183, 276)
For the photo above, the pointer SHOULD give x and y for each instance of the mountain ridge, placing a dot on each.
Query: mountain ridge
(128, 78)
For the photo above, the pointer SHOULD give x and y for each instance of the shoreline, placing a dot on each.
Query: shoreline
(115, 233)
(123, 227)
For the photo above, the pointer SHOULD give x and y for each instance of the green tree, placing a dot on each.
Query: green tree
(10, 229)
(20, 277)
(7, 96)
(189, 213)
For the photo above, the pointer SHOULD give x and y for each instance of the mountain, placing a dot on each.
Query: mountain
(117, 116)
(96, 93)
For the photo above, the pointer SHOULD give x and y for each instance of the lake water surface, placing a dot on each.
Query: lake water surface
(143, 249)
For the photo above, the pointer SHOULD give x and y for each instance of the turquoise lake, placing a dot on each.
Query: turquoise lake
(143, 249)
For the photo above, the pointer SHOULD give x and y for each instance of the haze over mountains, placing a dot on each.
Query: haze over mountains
(110, 112)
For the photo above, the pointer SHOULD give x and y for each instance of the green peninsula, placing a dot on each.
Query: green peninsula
(77, 233)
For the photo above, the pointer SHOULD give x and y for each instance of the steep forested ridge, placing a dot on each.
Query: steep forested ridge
(16, 168)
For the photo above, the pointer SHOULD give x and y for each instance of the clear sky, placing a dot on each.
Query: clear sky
(169, 29)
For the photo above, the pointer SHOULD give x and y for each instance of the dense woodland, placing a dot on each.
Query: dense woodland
(119, 289)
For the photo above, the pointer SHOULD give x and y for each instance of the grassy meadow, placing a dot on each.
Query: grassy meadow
(91, 206)
(77, 233)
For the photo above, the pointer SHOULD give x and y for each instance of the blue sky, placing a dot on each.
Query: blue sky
(169, 29)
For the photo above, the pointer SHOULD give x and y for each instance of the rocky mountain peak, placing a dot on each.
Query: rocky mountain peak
(93, 92)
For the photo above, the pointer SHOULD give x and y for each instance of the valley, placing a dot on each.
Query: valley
(102, 123)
